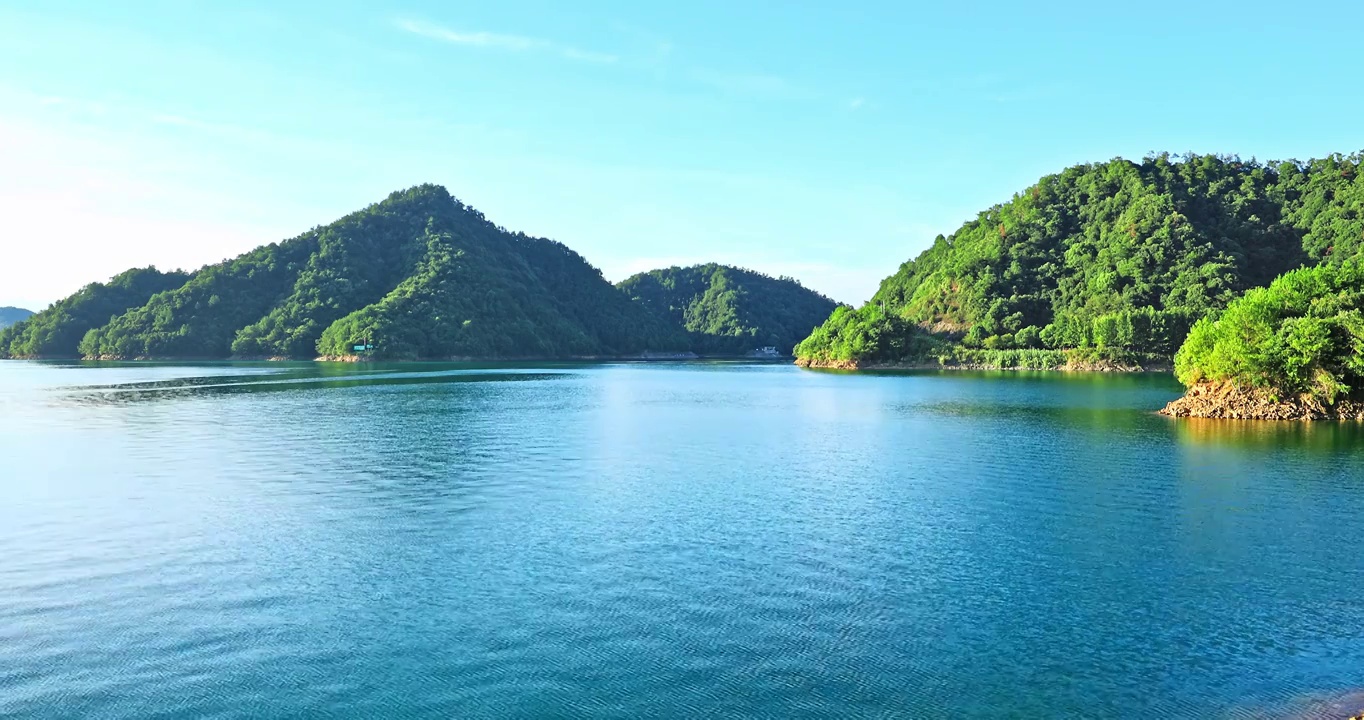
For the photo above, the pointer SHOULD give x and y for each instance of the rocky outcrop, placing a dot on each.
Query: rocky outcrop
(806, 362)
(1231, 402)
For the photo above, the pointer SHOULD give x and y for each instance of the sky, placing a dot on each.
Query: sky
(829, 141)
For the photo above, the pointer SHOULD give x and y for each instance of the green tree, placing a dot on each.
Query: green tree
(1119, 256)
(727, 310)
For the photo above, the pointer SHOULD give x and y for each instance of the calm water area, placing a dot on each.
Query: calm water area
(663, 540)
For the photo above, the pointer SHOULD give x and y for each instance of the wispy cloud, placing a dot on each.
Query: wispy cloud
(186, 122)
(573, 53)
(646, 50)
(500, 41)
(655, 48)
(224, 130)
(753, 85)
(767, 87)
(87, 110)
(78, 105)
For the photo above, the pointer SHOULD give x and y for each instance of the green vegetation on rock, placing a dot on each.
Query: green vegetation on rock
(1117, 257)
(1302, 335)
(728, 310)
(58, 330)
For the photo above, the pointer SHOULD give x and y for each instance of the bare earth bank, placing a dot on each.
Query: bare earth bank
(1227, 401)
(1069, 366)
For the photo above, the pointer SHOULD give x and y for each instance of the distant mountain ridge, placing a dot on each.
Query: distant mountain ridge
(12, 315)
(419, 275)
(730, 310)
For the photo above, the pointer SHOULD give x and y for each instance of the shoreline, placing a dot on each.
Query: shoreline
(1226, 401)
(644, 357)
(1217, 401)
(1069, 366)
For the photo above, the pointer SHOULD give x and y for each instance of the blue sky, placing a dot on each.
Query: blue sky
(829, 141)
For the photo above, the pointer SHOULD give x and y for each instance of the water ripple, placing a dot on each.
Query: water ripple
(663, 541)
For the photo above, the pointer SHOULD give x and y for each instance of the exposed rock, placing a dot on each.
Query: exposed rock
(1228, 401)
(806, 362)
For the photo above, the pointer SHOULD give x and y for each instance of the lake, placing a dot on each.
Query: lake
(663, 540)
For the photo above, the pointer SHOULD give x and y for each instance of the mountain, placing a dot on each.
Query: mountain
(57, 331)
(727, 310)
(418, 275)
(1117, 257)
(12, 315)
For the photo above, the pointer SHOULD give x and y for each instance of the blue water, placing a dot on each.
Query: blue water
(663, 540)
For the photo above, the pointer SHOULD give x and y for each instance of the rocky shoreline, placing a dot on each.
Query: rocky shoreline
(1068, 366)
(571, 358)
(1229, 402)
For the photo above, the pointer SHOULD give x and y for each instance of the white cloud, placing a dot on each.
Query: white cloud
(500, 41)
(753, 85)
(656, 47)
(765, 86)
(190, 123)
(587, 55)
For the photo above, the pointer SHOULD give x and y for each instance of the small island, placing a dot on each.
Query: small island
(1291, 351)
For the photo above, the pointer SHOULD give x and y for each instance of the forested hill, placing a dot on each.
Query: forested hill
(419, 275)
(1118, 255)
(11, 315)
(58, 330)
(728, 310)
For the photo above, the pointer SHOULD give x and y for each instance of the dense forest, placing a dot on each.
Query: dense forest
(1303, 336)
(727, 310)
(418, 275)
(12, 315)
(58, 330)
(1114, 262)
(1113, 259)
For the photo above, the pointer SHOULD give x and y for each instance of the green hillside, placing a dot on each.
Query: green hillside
(1114, 258)
(479, 291)
(419, 275)
(57, 331)
(1301, 336)
(728, 310)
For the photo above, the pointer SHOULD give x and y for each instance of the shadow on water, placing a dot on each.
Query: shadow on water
(1094, 402)
(1069, 417)
(1334, 437)
(282, 382)
(227, 379)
